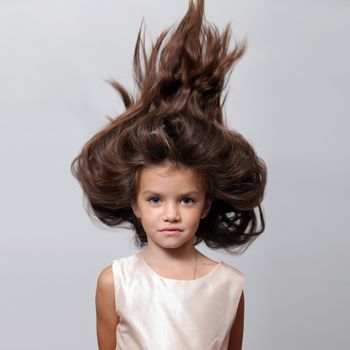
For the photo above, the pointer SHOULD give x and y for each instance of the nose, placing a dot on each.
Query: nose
(171, 212)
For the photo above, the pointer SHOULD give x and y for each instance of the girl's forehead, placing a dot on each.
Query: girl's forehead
(167, 177)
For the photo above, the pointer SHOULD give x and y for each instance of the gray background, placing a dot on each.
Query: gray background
(289, 96)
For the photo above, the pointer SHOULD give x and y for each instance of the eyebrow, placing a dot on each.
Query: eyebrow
(181, 194)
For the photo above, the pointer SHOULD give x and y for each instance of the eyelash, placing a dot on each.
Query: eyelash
(150, 199)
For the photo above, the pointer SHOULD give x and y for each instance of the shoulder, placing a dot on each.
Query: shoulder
(107, 317)
(105, 279)
(109, 278)
(233, 269)
(105, 282)
(234, 272)
(105, 292)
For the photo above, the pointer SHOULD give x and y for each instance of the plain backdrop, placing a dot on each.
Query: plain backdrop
(289, 96)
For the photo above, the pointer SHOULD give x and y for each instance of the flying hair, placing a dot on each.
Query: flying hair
(176, 117)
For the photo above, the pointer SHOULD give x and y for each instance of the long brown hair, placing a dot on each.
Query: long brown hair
(176, 116)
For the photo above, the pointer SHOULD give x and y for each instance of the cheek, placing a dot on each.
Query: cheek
(193, 218)
(149, 215)
(148, 211)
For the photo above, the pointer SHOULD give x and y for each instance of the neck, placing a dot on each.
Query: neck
(171, 257)
(171, 263)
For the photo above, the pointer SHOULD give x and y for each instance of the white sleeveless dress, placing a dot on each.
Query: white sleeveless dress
(159, 313)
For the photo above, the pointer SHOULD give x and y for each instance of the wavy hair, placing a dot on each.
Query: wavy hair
(176, 116)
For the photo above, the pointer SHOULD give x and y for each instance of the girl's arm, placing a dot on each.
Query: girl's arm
(106, 316)
(236, 334)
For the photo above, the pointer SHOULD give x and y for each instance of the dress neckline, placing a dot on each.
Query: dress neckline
(148, 267)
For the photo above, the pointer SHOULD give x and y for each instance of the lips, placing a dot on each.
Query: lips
(169, 229)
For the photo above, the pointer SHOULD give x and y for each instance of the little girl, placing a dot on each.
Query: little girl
(171, 168)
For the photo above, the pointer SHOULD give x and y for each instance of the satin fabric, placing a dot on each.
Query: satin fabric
(158, 313)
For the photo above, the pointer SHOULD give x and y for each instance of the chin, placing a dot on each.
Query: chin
(174, 244)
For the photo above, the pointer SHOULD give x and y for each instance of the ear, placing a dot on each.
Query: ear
(206, 208)
(135, 209)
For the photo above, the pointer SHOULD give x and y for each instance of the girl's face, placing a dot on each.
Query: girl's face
(170, 204)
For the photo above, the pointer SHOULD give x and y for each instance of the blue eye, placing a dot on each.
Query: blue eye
(157, 200)
(153, 200)
(188, 200)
